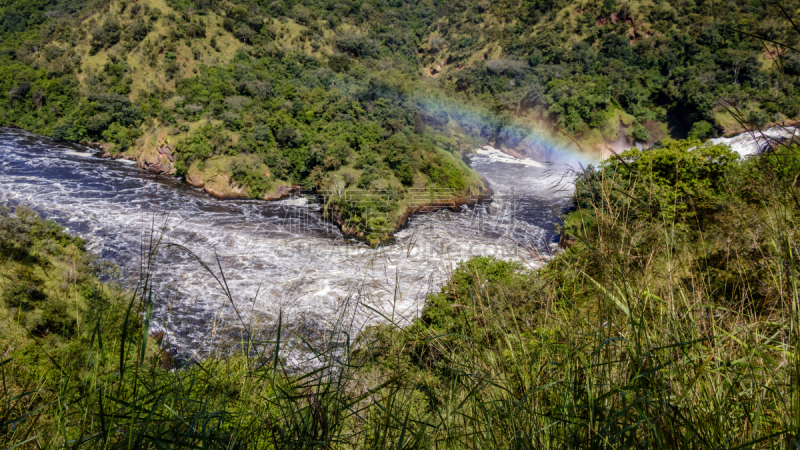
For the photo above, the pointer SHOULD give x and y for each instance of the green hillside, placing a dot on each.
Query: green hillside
(256, 98)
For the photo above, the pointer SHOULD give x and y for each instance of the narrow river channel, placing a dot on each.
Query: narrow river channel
(278, 258)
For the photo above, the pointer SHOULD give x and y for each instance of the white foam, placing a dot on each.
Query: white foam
(747, 144)
(496, 155)
(80, 154)
(296, 201)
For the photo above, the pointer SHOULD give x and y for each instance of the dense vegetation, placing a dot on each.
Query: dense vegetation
(384, 95)
(670, 321)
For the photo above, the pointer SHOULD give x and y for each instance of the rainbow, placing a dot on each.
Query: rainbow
(534, 139)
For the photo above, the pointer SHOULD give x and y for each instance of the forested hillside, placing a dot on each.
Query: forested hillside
(249, 98)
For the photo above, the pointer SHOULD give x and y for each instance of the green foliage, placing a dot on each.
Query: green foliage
(700, 130)
(26, 292)
(641, 134)
(122, 137)
(455, 310)
(681, 180)
(252, 176)
(444, 174)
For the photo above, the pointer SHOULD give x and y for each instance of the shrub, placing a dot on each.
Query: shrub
(356, 45)
(13, 231)
(232, 120)
(507, 66)
(19, 92)
(339, 62)
(700, 130)
(249, 174)
(106, 35)
(445, 175)
(56, 319)
(640, 133)
(405, 173)
(26, 293)
(98, 123)
(237, 103)
(257, 89)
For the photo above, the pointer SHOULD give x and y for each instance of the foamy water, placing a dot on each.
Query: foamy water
(747, 144)
(277, 258)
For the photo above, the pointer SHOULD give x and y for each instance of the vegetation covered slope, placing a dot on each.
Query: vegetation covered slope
(49, 289)
(248, 98)
(670, 321)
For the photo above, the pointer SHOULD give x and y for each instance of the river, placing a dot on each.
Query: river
(279, 259)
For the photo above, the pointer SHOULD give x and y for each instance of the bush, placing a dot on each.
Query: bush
(237, 103)
(121, 136)
(13, 230)
(56, 319)
(700, 130)
(339, 62)
(640, 133)
(26, 293)
(106, 35)
(693, 192)
(405, 173)
(249, 174)
(445, 176)
(507, 66)
(356, 45)
(232, 120)
(98, 123)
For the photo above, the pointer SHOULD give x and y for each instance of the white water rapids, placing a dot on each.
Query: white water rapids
(278, 258)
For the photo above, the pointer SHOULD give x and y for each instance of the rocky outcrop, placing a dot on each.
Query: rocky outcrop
(167, 151)
(194, 180)
(283, 192)
(221, 187)
(160, 162)
(454, 204)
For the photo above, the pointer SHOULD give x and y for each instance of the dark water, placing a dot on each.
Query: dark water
(276, 257)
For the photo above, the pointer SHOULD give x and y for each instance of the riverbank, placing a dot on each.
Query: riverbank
(220, 186)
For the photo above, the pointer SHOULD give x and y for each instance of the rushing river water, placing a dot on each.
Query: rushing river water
(278, 258)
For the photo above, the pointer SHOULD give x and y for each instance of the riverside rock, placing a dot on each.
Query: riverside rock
(195, 181)
(282, 192)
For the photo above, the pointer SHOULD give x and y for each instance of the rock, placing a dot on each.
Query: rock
(222, 189)
(158, 336)
(282, 192)
(150, 160)
(166, 151)
(195, 181)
